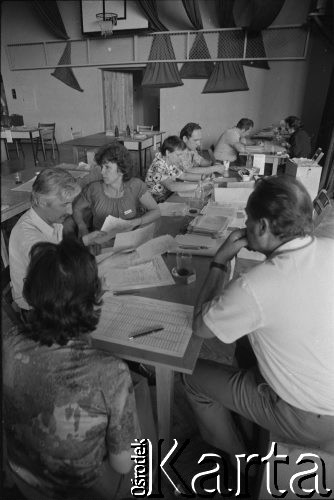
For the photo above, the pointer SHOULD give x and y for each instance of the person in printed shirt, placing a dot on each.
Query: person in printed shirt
(71, 411)
(166, 170)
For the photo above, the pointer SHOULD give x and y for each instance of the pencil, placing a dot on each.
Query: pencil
(146, 332)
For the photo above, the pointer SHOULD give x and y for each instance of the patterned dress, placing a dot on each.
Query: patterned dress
(66, 407)
(158, 172)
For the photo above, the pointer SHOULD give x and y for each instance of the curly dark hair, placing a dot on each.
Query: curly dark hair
(63, 288)
(188, 130)
(245, 124)
(294, 122)
(285, 203)
(117, 153)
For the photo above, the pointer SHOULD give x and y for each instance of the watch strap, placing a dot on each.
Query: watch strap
(222, 267)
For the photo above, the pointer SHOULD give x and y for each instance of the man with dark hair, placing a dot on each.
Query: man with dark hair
(191, 135)
(233, 141)
(52, 195)
(285, 306)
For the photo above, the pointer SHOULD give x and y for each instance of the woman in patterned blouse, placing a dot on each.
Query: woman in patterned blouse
(166, 170)
(72, 411)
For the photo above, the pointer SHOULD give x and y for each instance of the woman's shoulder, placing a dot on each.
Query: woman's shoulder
(135, 183)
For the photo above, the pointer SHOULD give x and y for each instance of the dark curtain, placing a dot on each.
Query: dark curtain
(193, 13)
(50, 15)
(326, 138)
(162, 74)
(254, 16)
(202, 69)
(150, 10)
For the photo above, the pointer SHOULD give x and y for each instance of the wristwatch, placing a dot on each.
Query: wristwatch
(222, 267)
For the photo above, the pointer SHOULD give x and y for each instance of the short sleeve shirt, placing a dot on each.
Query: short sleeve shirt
(158, 172)
(126, 207)
(190, 159)
(66, 407)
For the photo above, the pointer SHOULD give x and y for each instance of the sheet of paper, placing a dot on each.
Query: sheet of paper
(259, 162)
(195, 241)
(123, 316)
(113, 223)
(132, 239)
(153, 248)
(169, 208)
(8, 135)
(232, 195)
(211, 223)
(26, 186)
(145, 275)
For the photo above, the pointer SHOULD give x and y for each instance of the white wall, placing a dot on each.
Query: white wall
(41, 97)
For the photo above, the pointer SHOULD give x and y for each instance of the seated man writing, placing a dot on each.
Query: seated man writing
(286, 307)
(52, 195)
(191, 135)
(234, 141)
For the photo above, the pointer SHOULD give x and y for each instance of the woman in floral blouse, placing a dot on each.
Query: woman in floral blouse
(166, 170)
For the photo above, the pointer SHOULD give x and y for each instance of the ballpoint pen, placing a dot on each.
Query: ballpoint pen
(146, 332)
(193, 247)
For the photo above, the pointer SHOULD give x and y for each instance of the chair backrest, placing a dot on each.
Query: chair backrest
(321, 205)
(144, 128)
(16, 120)
(76, 133)
(7, 303)
(47, 131)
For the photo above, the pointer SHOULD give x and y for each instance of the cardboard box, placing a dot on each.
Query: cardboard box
(307, 172)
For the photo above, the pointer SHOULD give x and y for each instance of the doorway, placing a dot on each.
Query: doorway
(126, 102)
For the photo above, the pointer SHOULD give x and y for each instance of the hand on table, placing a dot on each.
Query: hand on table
(231, 246)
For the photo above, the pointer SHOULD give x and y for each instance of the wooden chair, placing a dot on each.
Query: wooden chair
(321, 205)
(47, 139)
(144, 128)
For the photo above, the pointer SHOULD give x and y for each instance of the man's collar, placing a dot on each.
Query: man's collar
(292, 245)
(43, 226)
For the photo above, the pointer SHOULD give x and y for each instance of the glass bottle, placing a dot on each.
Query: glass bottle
(116, 131)
(249, 162)
(200, 195)
(128, 131)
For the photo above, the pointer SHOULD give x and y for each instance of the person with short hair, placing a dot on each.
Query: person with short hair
(167, 169)
(299, 143)
(192, 161)
(285, 306)
(118, 193)
(71, 411)
(234, 141)
(52, 195)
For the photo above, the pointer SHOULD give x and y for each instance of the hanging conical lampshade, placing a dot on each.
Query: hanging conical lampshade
(66, 75)
(202, 69)
(162, 74)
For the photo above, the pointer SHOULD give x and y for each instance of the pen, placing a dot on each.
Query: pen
(194, 247)
(146, 332)
(126, 292)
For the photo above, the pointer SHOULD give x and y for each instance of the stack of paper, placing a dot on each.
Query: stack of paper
(213, 225)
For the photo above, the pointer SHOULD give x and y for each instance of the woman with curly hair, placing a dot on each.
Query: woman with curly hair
(118, 193)
(71, 411)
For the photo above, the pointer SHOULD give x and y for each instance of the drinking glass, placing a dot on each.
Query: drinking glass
(184, 265)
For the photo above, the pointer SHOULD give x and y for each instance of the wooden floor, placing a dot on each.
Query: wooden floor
(184, 427)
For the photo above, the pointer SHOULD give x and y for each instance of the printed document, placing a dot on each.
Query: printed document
(124, 316)
(132, 239)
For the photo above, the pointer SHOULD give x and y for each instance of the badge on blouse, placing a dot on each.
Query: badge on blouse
(128, 211)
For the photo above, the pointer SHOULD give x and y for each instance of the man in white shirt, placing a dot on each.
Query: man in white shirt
(234, 141)
(286, 307)
(52, 195)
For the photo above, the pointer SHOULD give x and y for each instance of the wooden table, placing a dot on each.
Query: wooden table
(274, 153)
(23, 132)
(95, 141)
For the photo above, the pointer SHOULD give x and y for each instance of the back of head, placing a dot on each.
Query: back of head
(115, 152)
(54, 182)
(188, 130)
(171, 143)
(293, 122)
(63, 288)
(245, 124)
(285, 203)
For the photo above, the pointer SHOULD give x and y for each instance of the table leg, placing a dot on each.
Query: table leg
(4, 252)
(140, 163)
(165, 399)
